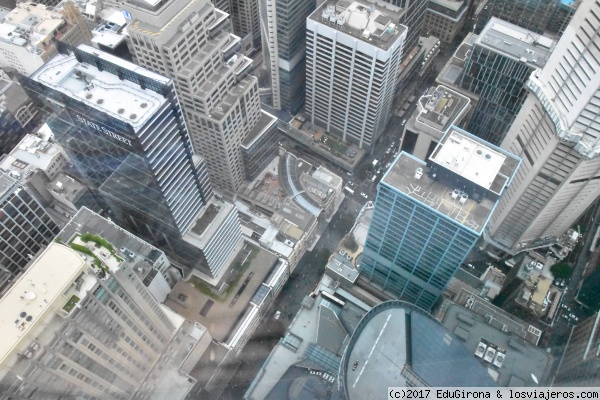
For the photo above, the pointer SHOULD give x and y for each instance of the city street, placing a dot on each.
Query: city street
(304, 279)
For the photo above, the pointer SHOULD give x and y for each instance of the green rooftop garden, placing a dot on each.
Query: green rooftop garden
(71, 303)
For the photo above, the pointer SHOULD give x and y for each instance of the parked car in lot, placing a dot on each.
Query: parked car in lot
(277, 314)
(364, 195)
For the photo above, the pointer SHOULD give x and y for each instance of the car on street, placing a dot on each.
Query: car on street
(364, 195)
(277, 314)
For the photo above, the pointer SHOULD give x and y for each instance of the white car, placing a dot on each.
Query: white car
(277, 314)
(364, 195)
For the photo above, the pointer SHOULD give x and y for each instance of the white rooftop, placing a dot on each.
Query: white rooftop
(34, 293)
(32, 152)
(121, 99)
(469, 158)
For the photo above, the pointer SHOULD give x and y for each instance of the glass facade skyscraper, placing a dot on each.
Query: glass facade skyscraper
(536, 15)
(25, 229)
(428, 216)
(500, 62)
(123, 129)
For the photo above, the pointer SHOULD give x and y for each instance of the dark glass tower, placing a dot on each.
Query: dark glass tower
(25, 228)
(123, 129)
(497, 68)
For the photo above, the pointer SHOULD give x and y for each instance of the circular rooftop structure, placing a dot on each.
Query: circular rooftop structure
(397, 344)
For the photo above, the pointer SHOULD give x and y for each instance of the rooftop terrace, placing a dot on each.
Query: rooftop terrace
(220, 310)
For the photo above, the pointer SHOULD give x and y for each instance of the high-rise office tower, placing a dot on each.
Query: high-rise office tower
(283, 33)
(191, 42)
(69, 333)
(353, 51)
(535, 15)
(25, 228)
(557, 134)
(496, 70)
(428, 216)
(123, 129)
(581, 360)
(246, 22)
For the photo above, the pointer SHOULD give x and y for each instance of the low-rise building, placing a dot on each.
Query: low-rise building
(39, 164)
(231, 312)
(314, 189)
(438, 109)
(504, 344)
(289, 232)
(445, 18)
(18, 115)
(417, 65)
(316, 139)
(309, 355)
(27, 34)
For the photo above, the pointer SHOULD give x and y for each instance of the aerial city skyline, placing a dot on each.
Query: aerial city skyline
(246, 198)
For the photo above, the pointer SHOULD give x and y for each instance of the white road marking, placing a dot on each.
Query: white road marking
(372, 348)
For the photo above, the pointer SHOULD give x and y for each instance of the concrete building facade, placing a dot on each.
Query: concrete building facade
(445, 18)
(79, 335)
(580, 362)
(283, 33)
(353, 55)
(557, 133)
(192, 43)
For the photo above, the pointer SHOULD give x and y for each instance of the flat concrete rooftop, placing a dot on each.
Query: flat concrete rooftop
(220, 312)
(521, 358)
(373, 22)
(516, 42)
(441, 106)
(265, 122)
(435, 194)
(472, 161)
(35, 293)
